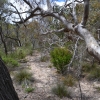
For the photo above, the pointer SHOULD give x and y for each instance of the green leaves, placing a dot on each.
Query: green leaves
(60, 57)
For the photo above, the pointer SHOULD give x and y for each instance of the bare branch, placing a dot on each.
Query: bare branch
(75, 49)
(30, 16)
(17, 11)
(27, 2)
(74, 13)
(54, 31)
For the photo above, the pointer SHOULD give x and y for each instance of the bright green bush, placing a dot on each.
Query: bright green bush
(60, 57)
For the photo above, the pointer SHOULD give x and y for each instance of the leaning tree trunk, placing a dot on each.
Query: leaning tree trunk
(7, 91)
(2, 39)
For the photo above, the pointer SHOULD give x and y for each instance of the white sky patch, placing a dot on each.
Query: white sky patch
(59, 3)
(24, 7)
(44, 7)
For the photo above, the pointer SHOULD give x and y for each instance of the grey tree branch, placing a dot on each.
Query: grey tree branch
(28, 3)
(74, 13)
(17, 12)
(54, 31)
(92, 46)
(69, 65)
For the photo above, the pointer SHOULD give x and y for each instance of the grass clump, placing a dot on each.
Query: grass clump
(22, 52)
(60, 57)
(9, 61)
(94, 74)
(86, 67)
(29, 89)
(69, 80)
(44, 58)
(23, 76)
(61, 91)
(91, 71)
(97, 88)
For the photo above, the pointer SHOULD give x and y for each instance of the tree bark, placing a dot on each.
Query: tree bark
(7, 91)
(93, 47)
(2, 39)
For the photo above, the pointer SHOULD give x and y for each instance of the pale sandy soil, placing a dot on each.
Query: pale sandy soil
(45, 78)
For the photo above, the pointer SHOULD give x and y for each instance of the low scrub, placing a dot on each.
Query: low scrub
(22, 52)
(69, 80)
(29, 89)
(97, 88)
(61, 91)
(60, 57)
(44, 58)
(86, 67)
(10, 62)
(23, 76)
(91, 71)
(94, 74)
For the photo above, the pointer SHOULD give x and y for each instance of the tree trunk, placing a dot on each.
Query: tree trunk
(7, 91)
(92, 46)
(4, 43)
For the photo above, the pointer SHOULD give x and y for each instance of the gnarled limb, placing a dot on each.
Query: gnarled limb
(92, 46)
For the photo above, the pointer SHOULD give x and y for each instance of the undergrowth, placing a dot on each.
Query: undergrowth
(60, 57)
(61, 91)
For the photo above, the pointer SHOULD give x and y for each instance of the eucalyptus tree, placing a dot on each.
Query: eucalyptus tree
(78, 27)
(70, 24)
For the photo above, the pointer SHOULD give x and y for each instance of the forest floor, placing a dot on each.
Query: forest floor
(46, 77)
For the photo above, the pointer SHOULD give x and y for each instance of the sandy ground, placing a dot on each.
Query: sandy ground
(45, 78)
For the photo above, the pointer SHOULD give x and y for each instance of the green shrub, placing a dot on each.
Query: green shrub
(22, 76)
(10, 61)
(29, 89)
(60, 57)
(22, 52)
(61, 91)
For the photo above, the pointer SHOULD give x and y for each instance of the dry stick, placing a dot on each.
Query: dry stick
(79, 75)
(80, 88)
(69, 65)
